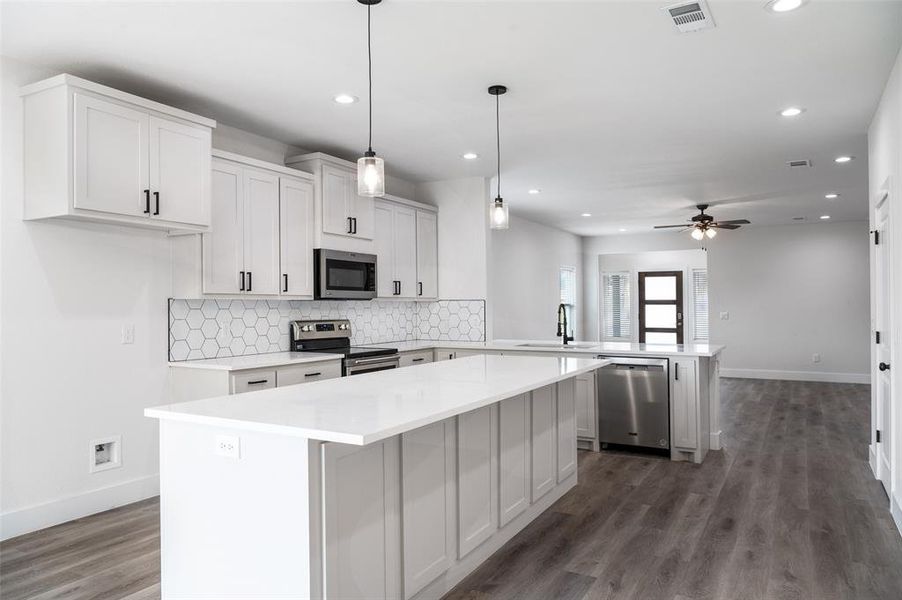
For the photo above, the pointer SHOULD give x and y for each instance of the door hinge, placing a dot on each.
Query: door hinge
(878, 436)
(876, 337)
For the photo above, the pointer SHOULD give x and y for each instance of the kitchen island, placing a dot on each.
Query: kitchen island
(392, 484)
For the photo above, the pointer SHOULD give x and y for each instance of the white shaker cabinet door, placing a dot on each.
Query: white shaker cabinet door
(223, 245)
(477, 478)
(362, 209)
(405, 240)
(427, 254)
(427, 465)
(684, 400)
(261, 232)
(566, 429)
(179, 172)
(586, 419)
(384, 241)
(513, 457)
(361, 529)
(296, 236)
(111, 157)
(544, 443)
(336, 195)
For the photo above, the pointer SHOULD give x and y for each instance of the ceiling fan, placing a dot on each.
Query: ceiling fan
(704, 225)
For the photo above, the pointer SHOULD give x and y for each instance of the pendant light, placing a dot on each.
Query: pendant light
(498, 215)
(370, 168)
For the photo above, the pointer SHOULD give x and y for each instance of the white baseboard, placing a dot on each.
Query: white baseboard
(714, 440)
(797, 375)
(896, 511)
(33, 518)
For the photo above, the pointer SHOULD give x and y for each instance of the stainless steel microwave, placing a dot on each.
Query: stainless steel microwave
(342, 275)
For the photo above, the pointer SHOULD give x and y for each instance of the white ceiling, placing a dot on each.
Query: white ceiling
(610, 111)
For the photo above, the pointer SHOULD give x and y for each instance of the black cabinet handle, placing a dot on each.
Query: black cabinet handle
(354, 224)
(676, 371)
(250, 281)
(883, 366)
(257, 382)
(419, 288)
(285, 282)
(146, 202)
(313, 374)
(156, 197)
(241, 280)
(350, 226)
(418, 360)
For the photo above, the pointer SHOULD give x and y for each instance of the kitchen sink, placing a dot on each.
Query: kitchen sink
(558, 345)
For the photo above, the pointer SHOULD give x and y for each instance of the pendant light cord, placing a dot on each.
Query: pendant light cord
(498, 139)
(369, 59)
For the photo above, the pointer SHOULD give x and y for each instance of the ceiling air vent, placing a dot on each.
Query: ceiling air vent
(799, 164)
(690, 16)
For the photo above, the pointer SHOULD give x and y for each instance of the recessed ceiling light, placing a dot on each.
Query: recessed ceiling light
(470, 156)
(843, 159)
(792, 111)
(621, 230)
(831, 195)
(534, 191)
(825, 217)
(587, 214)
(345, 99)
(781, 6)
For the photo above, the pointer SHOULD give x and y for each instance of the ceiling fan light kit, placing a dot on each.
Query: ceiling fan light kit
(703, 225)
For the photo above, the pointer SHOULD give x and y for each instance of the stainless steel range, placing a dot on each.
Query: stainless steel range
(334, 336)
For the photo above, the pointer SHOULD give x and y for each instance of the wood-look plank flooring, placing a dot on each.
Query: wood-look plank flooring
(789, 509)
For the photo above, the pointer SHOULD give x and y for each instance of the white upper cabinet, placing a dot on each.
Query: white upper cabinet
(343, 220)
(95, 153)
(296, 236)
(427, 255)
(261, 242)
(396, 249)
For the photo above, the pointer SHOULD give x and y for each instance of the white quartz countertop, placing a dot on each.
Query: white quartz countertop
(366, 408)
(256, 361)
(576, 348)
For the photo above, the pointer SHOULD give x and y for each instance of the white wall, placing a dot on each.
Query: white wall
(525, 278)
(885, 172)
(664, 260)
(791, 291)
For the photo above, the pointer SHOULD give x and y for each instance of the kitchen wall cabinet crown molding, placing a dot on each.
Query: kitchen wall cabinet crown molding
(98, 154)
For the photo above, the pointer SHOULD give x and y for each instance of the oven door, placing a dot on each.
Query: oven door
(356, 366)
(344, 275)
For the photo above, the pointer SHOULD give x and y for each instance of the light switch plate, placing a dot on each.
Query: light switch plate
(724, 315)
(228, 446)
(128, 334)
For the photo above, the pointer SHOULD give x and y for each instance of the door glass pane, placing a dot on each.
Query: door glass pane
(660, 288)
(660, 315)
(654, 337)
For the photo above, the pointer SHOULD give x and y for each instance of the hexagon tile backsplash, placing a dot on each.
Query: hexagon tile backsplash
(221, 328)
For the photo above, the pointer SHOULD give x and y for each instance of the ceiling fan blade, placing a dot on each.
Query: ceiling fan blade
(671, 226)
(735, 222)
(722, 226)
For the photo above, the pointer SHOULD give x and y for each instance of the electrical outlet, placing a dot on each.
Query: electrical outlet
(816, 358)
(228, 446)
(128, 334)
(724, 315)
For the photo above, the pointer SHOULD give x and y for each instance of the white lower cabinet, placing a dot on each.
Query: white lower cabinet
(251, 381)
(586, 400)
(427, 493)
(566, 429)
(186, 383)
(295, 374)
(544, 442)
(513, 457)
(684, 403)
(361, 530)
(477, 480)
(409, 359)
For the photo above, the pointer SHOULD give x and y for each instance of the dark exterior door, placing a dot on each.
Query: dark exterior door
(661, 307)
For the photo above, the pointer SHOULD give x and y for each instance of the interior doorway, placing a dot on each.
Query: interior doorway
(882, 339)
(661, 307)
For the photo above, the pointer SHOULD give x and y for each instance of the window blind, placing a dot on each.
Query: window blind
(700, 302)
(616, 289)
(568, 286)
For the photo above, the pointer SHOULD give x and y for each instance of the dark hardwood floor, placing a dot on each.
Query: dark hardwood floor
(788, 509)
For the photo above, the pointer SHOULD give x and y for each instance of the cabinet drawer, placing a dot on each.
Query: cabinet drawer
(416, 358)
(295, 374)
(251, 381)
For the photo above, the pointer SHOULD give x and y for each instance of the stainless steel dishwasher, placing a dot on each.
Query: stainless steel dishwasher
(634, 403)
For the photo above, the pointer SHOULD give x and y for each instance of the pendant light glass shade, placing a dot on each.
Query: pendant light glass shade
(498, 215)
(698, 234)
(370, 176)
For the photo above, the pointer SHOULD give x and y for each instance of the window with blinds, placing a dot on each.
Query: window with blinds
(700, 303)
(568, 286)
(616, 314)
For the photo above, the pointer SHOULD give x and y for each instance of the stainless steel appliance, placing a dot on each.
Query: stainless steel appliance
(342, 275)
(634, 403)
(334, 336)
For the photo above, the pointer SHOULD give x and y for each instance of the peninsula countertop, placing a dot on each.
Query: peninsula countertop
(576, 348)
(366, 408)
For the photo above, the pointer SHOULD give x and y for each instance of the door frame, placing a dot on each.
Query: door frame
(681, 309)
(881, 465)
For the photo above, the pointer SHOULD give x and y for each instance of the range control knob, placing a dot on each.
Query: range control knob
(305, 327)
(343, 326)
